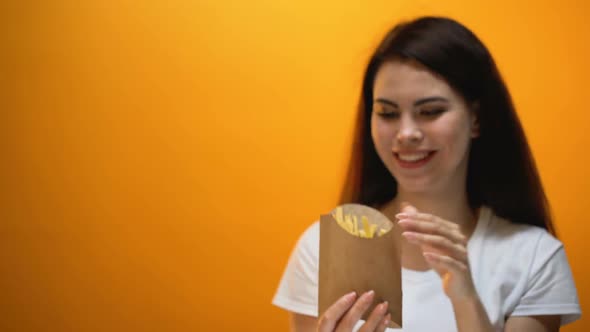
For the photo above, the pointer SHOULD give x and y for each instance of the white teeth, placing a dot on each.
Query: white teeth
(413, 156)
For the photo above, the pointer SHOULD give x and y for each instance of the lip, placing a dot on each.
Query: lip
(413, 164)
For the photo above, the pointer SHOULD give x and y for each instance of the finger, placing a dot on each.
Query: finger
(436, 220)
(334, 313)
(376, 318)
(445, 262)
(356, 311)
(420, 226)
(384, 323)
(457, 251)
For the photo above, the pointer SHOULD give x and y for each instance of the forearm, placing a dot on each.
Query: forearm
(471, 315)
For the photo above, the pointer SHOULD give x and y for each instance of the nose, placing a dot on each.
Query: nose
(409, 132)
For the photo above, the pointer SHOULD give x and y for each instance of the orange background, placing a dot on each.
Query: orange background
(162, 157)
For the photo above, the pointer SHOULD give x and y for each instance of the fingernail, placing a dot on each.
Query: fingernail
(384, 306)
(350, 296)
(370, 293)
(387, 319)
(403, 221)
(402, 215)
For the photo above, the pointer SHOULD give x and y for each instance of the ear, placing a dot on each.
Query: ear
(474, 119)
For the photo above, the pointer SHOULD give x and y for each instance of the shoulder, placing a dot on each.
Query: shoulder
(518, 238)
(522, 270)
(505, 255)
(309, 241)
(305, 254)
(312, 233)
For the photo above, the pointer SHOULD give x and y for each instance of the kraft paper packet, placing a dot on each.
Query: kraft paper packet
(351, 263)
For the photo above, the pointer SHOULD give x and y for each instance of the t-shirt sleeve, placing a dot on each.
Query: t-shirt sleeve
(298, 288)
(550, 288)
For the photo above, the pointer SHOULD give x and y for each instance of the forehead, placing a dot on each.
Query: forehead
(399, 80)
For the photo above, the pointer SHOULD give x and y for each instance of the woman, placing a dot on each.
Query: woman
(441, 151)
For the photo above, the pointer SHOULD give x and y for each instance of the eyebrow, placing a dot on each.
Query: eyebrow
(416, 103)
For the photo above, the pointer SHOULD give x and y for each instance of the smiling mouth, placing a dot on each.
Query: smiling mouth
(413, 159)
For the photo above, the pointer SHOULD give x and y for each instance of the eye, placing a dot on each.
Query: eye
(386, 112)
(433, 112)
(388, 115)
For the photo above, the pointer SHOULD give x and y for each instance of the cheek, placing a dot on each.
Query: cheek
(381, 134)
(457, 142)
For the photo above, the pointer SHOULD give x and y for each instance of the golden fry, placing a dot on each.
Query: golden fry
(350, 223)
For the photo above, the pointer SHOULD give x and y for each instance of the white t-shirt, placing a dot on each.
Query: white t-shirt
(518, 270)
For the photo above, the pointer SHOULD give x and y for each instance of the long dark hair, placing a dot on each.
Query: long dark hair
(501, 171)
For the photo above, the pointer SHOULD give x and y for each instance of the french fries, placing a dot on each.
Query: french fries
(350, 223)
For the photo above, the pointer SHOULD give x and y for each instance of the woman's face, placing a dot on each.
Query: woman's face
(421, 128)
